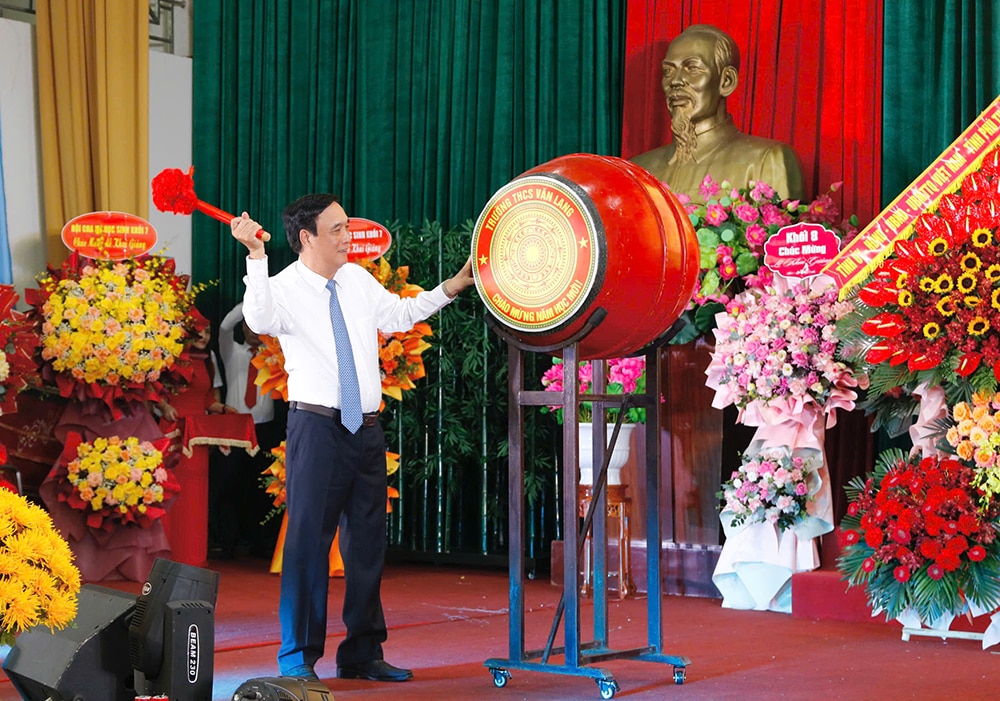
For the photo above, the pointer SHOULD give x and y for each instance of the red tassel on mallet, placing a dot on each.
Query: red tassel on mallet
(173, 191)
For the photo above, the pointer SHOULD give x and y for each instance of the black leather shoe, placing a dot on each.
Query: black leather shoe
(376, 670)
(303, 671)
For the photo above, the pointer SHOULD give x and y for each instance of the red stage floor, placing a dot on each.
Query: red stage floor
(445, 622)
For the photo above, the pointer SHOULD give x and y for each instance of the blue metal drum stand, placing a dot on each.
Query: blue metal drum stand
(579, 655)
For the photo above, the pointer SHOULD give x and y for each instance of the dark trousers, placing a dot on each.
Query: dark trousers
(329, 473)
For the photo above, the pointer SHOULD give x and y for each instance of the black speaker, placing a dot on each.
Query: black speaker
(86, 661)
(282, 689)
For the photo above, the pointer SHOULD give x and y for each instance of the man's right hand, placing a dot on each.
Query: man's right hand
(245, 231)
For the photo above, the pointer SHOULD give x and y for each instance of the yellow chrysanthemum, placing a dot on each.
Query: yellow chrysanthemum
(931, 330)
(993, 272)
(38, 581)
(926, 284)
(981, 238)
(905, 298)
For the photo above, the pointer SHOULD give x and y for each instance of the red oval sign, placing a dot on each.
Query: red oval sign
(109, 235)
(369, 239)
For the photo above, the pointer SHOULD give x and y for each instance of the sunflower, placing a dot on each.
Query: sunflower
(981, 238)
(944, 283)
(946, 306)
(938, 247)
(978, 326)
(971, 262)
(966, 283)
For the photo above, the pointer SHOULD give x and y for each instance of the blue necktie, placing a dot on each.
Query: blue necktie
(350, 391)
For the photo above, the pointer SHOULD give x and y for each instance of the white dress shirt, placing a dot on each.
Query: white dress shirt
(236, 357)
(294, 307)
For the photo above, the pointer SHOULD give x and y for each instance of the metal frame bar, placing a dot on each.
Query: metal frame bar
(578, 654)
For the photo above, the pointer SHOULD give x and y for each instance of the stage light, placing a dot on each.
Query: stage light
(172, 633)
(282, 689)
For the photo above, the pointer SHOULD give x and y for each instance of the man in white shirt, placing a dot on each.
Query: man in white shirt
(331, 470)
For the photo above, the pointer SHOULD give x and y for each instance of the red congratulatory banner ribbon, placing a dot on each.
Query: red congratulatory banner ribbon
(873, 244)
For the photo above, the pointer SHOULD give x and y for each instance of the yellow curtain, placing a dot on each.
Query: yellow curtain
(93, 94)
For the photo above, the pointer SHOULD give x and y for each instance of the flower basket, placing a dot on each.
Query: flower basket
(113, 331)
(772, 485)
(40, 583)
(920, 539)
(400, 354)
(929, 316)
(775, 360)
(116, 481)
(732, 227)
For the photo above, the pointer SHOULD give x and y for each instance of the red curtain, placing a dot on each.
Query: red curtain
(810, 76)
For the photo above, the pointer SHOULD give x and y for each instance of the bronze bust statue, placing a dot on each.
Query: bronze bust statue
(700, 70)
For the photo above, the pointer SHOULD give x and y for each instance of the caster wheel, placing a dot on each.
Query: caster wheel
(500, 677)
(608, 687)
(680, 674)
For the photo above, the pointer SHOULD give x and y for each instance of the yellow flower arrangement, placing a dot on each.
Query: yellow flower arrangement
(971, 433)
(112, 329)
(38, 581)
(117, 479)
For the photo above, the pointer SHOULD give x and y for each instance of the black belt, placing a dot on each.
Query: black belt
(369, 419)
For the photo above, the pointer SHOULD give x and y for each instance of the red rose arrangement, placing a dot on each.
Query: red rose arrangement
(917, 536)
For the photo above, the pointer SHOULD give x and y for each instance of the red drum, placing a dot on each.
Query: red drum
(579, 233)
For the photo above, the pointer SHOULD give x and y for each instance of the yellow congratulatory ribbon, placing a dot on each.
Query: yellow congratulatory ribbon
(874, 243)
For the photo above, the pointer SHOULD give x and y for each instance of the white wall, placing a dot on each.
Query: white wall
(21, 152)
(169, 147)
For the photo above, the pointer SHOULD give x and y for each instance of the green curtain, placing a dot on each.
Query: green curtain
(941, 68)
(410, 110)
(415, 112)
